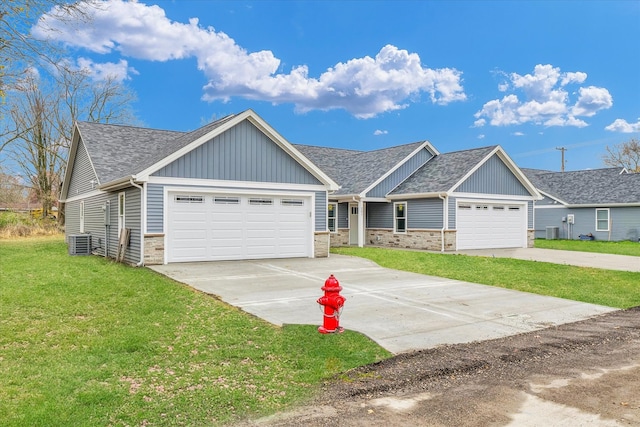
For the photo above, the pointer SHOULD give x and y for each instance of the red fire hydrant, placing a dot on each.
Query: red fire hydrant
(332, 302)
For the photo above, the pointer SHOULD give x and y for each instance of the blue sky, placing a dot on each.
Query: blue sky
(530, 76)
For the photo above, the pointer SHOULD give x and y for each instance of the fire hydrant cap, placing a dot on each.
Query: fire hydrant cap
(331, 285)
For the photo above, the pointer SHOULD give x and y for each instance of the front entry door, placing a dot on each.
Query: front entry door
(353, 224)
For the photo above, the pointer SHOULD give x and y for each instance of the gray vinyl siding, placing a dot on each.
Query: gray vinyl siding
(530, 215)
(82, 173)
(155, 205)
(625, 223)
(242, 153)
(321, 211)
(400, 174)
(493, 177)
(424, 214)
(380, 215)
(94, 223)
(155, 208)
(343, 215)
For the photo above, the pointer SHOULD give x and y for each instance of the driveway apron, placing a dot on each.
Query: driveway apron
(400, 311)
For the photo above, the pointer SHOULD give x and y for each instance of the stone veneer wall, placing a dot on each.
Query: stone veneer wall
(413, 239)
(153, 249)
(531, 236)
(321, 241)
(340, 238)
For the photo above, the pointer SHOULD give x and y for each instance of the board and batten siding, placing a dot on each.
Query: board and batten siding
(155, 204)
(242, 153)
(82, 173)
(493, 177)
(400, 174)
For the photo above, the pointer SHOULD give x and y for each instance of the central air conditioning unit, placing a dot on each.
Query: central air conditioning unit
(80, 244)
(552, 233)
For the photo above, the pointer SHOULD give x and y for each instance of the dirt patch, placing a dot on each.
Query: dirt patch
(579, 374)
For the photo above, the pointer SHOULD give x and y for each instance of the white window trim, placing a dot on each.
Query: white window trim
(335, 217)
(608, 219)
(82, 216)
(395, 218)
(122, 212)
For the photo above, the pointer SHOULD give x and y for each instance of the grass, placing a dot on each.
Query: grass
(21, 224)
(85, 342)
(619, 289)
(617, 248)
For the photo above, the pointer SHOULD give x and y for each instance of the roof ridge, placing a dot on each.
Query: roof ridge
(120, 125)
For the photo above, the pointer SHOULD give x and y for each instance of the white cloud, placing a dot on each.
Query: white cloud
(481, 136)
(363, 86)
(101, 71)
(517, 134)
(545, 100)
(380, 132)
(621, 125)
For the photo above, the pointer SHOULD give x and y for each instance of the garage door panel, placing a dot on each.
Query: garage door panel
(238, 227)
(490, 225)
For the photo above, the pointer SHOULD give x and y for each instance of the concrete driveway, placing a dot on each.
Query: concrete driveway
(400, 311)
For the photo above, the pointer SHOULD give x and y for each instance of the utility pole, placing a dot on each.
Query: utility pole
(562, 149)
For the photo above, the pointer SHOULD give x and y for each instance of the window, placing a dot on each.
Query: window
(602, 219)
(260, 202)
(189, 199)
(223, 200)
(82, 216)
(400, 217)
(292, 202)
(121, 211)
(332, 213)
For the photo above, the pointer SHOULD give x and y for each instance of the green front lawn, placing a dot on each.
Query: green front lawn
(87, 342)
(619, 289)
(617, 248)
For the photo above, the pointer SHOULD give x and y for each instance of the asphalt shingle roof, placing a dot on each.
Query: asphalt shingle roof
(588, 187)
(119, 151)
(355, 170)
(441, 173)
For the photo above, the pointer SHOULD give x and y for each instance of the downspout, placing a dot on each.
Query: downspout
(143, 204)
(445, 214)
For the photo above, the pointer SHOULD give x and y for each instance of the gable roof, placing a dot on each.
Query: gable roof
(443, 172)
(121, 153)
(588, 187)
(356, 171)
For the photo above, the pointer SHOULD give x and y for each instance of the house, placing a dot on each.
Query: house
(236, 189)
(412, 196)
(603, 203)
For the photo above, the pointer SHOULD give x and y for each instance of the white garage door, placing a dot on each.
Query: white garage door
(213, 227)
(489, 225)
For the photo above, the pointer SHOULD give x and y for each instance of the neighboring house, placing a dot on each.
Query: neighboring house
(603, 203)
(411, 196)
(236, 189)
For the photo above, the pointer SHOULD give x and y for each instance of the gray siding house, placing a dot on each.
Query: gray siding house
(603, 203)
(236, 189)
(412, 196)
(233, 189)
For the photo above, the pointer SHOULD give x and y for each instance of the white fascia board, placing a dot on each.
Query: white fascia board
(592, 205)
(493, 196)
(233, 184)
(422, 146)
(71, 160)
(83, 196)
(509, 163)
(552, 197)
(416, 196)
(376, 199)
(118, 184)
(492, 200)
(232, 191)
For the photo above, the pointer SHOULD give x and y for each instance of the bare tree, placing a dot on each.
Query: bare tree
(625, 154)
